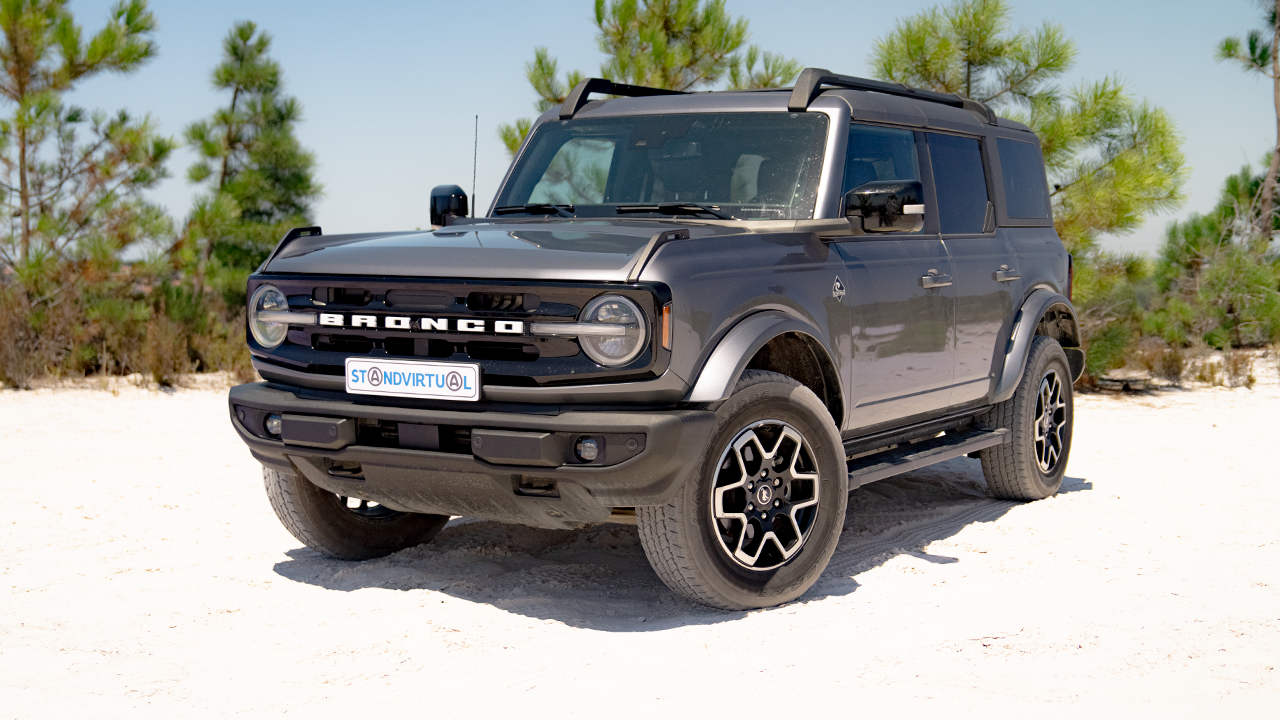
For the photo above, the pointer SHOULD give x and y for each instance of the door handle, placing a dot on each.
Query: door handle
(934, 280)
(1004, 274)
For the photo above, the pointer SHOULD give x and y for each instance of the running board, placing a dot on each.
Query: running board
(914, 456)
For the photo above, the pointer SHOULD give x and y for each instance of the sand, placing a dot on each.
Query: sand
(144, 575)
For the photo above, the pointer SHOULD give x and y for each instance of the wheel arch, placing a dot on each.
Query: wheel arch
(774, 342)
(1047, 313)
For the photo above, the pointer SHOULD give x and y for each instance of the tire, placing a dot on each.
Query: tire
(325, 523)
(734, 563)
(1031, 465)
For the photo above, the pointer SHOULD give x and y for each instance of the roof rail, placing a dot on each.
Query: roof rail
(578, 96)
(809, 86)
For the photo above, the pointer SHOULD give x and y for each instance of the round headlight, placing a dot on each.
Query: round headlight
(623, 330)
(267, 298)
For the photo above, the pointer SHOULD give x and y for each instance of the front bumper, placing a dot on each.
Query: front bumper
(530, 477)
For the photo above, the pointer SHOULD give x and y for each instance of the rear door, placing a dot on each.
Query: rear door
(901, 330)
(986, 276)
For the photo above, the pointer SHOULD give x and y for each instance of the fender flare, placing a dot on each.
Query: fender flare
(1024, 330)
(719, 374)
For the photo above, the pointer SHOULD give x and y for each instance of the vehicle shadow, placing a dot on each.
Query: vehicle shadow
(599, 578)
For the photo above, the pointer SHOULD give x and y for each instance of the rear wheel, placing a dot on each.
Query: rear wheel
(341, 527)
(1032, 464)
(756, 522)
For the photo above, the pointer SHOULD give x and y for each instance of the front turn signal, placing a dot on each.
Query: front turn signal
(666, 326)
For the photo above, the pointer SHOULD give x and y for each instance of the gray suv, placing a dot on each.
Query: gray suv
(711, 315)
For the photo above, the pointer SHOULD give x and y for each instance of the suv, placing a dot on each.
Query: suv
(711, 315)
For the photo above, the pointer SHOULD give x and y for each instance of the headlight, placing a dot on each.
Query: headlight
(626, 326)
(267, 299)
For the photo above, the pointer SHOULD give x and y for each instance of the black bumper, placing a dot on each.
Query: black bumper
(511, 467)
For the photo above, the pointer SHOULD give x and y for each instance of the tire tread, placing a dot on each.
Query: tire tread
(1009, 472)
(665, 529)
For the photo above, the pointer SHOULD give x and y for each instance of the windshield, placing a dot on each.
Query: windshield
(758, 166)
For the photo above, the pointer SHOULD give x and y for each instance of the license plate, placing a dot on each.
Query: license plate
(413, 378)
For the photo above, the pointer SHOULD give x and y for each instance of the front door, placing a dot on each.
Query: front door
(901, 308)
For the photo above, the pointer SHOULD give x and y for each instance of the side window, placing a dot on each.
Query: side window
(879, 153)
(1026, 195)
(960, 181)
(577, 174)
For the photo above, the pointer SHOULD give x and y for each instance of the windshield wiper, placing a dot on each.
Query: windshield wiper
(676, 208)
(565, 211)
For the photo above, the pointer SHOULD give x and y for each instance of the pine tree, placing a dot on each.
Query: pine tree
(258, 176)
(670, 44)
(1260, 53)
(1113, 160)
(66, 197)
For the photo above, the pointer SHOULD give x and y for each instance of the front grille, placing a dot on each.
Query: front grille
(457, 321)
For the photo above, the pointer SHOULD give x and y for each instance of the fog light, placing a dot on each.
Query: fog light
(587, 449)
(273, 424)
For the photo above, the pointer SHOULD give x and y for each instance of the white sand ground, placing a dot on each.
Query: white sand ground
(144, 575)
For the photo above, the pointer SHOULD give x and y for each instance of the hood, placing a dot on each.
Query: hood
(589, 250)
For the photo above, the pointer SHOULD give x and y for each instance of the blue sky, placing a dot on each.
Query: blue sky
(391, 90)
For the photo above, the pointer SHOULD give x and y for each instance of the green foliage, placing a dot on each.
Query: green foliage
(1218, 277)
(1112, 160)
(775, 70)
(259, 177)
(71, 179)
(543, 73)
(968, 48)
(71, 188)
(671, 44)
(1260, 54)
(1111, 292)
(513, 135)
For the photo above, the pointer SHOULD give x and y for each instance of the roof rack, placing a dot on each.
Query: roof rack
(809, 86)
(578, 96)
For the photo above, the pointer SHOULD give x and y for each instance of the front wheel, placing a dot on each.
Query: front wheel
(1032, 464)
(757, 520)
(344, 528)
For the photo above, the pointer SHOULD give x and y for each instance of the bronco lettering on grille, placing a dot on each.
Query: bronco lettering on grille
(507, 327)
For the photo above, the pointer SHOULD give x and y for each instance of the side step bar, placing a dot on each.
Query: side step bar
(914, 456)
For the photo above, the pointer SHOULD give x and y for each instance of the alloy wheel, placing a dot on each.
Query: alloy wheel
(1050, 419)
(765, 498)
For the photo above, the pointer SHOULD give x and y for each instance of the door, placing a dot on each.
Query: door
(984, 264)
(901, 313)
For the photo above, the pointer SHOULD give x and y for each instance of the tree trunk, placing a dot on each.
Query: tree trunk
(24, 193)
(226, 159)
(1265, 221)
(206, 250)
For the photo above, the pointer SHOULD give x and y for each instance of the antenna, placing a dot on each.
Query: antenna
(475, 153)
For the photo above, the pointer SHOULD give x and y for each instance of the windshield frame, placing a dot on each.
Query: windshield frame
(830, 175)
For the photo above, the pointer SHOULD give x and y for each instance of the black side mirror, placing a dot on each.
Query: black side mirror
(887, 206)
(447, 201)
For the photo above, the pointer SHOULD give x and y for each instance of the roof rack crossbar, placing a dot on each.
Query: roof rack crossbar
(579, 95)
(809, 85)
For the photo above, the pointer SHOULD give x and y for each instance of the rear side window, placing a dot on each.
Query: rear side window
(878, 153)
(961, 183)
(1026, 195)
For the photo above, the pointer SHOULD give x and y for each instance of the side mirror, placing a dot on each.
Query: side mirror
(447, 201)
(887, 206)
